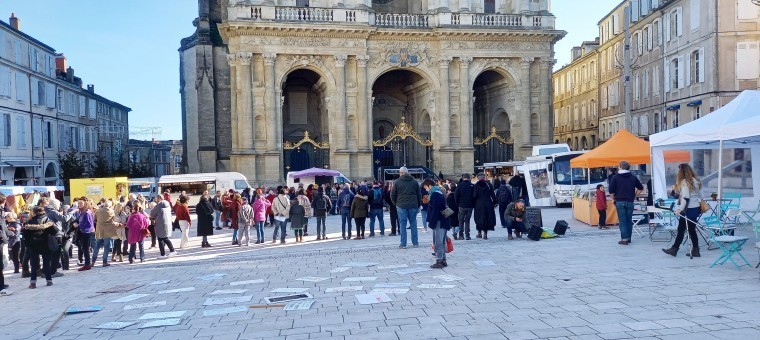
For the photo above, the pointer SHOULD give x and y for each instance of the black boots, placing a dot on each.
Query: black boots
(671, 251)
(439, 264)
(695, 252)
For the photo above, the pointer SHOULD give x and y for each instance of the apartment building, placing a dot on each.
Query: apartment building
(576, 115)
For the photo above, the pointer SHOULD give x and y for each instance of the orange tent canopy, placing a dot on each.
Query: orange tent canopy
(623, 146)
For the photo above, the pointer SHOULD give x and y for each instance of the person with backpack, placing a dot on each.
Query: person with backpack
(504, 196)
(438, 221)
(466, 204)
(305, 202)
(345, 199)
(321, 205)
(281, 211)
(245, 221)
(376, 209)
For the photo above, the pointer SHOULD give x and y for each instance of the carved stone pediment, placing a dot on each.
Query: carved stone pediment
(401, 53)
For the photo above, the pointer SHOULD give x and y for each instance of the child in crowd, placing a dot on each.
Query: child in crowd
(297, 219)
(601, 206)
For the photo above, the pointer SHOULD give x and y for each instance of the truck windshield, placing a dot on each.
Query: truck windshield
(562, 172)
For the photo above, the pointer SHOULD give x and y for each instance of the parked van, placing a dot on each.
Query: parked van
(145, 186)
(195, 184)
(315, 176)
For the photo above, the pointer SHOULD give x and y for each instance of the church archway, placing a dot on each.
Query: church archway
(492, 128)
(402, 107)
(305, 121)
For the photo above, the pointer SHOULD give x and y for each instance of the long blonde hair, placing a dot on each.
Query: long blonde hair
(686, 173)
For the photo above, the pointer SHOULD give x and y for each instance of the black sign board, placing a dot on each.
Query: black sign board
(533, 217)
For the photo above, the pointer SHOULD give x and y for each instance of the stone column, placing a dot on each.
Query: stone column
(445, 107)
(232, 60)
(341, 132)
(465, 88)
(271, 101)
(545, 100)
(525, 101)
(244, 126)
(364, 163)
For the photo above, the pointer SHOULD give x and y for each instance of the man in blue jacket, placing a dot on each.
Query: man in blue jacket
(466, 203)
(376, 209)
(345, 199)
(624, 187)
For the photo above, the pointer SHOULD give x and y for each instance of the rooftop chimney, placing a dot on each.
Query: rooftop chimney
(15, 22)
(91, 88)
(60, 62)
(70, 74)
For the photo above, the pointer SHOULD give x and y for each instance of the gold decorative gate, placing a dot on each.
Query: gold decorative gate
(395, 149)
(493, 148)
(305, 153)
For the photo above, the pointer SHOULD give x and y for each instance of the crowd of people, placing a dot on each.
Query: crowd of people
(43, 234)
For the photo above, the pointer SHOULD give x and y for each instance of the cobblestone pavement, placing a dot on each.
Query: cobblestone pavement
(583, 286)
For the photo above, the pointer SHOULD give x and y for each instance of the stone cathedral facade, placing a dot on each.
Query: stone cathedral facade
(275, 86)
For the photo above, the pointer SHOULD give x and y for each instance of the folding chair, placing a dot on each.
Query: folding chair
(732, 216)
(752, 214)
(728, 244)
(730, 200)
(715, 228)
(756, 228)
(636, 219)
(661, 224)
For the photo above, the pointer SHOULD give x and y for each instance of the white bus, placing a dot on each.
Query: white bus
(551, 181)
(195, 184)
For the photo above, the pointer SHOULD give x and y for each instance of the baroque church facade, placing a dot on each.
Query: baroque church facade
(352, 85)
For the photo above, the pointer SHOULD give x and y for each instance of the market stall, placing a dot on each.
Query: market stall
(623, 146)
(736, 125)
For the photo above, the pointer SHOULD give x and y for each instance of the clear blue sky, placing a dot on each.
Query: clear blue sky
(127, 49)
(578, 18)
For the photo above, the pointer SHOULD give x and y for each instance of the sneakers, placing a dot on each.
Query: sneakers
(171, 253)
(106, 264)
(33, 285)
(57, 274)
(623, 242)
(401, 247)
(85, 267)
(49, 283)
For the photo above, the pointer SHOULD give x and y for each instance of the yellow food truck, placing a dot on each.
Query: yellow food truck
(97, 188)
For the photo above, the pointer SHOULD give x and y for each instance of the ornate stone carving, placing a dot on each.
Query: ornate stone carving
(232, 59)
(443, 62)
(362, 60)
(431, 103)
(304, 42)
(351, 43)
(244, 58)
(526, 61)
(495, 45)
(401, 53)
(303, 60)
(351, 85)
(340, 60)
(269, 58)
(465, 61)
(258, 84)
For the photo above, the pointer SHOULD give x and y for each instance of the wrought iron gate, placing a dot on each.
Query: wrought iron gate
(306, 153)
(396, 149)
(493, 148)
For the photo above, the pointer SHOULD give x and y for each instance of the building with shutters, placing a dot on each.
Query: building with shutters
(44, 110)
(275, 86)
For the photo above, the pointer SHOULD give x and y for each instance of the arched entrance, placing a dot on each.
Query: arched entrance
(20, 177)
(51, 175)
(305, 121)
(492, 127)
(401, 100)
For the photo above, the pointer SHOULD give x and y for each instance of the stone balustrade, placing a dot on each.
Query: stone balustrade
(392, 20)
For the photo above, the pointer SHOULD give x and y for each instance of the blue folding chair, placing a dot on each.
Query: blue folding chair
(731, 200)
(729, 245)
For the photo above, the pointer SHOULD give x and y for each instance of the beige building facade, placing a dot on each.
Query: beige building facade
(354, 85)
(576, 115)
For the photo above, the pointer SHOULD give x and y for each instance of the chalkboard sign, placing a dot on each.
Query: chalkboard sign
(533, 217)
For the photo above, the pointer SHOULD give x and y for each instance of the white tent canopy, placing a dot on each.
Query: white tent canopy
(735, 125)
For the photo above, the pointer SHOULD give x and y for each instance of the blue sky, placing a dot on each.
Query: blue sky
(128, 49)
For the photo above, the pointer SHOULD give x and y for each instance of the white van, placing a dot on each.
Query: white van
(145, 186)
(315, 176)
(195, 184)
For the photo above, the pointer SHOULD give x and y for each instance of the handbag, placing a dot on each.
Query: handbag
(447, 212)
(703, 206)
(449, 245)
(145, 233)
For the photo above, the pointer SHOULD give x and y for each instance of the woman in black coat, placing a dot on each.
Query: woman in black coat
(485, 200)
(36, 233)
(451, 202)
(205, 212)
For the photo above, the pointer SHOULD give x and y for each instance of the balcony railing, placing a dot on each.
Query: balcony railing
(242, 11)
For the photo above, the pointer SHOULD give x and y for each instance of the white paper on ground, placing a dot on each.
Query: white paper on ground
(240, 283)
(411, 270)
(145, 305)
(163, 315)
(211, 277)
(299, 305)
(359, 264)
(178, 290)
(360, 279)
(228, 291)
(5, 292)
(312, 279)
(227, 300)
(159, 282)
(343, 289)
(161, 323)
(289, 290)
(228, 310)
(392, 266)
(339, 269)
(368, 299)
(484, 263)
(448, 278)
(114, 325)
(130, 297)
(390, 290)
(435, 286)
(393, 285)
(288, 298)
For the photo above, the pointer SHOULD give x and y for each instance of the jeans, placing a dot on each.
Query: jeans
(281, 226)
(260, 231)
(376, 213)
(360, 226)
(132, 251)
(692, 214)
(321, 226)
(15, 253)
(217, 215)
(602, 218)
(439, 241)
(55, 256)
(408, 216)
(34, 257)
(165, 241)
(107, 244)
(465, 214)
(87, 240)
(345, 218)
(625, 215)
(423, 211)
(245, 234)
(152, 229)
(185, 228)
(394, 220)
(235, 235)
(334, 210)
(502, 210)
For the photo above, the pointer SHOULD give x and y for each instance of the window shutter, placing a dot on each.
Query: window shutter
(82, 132)
(680, 74)
(702, 62)
(62, 138)
(615, 24)
(666, 73)
(635, 10)
(2, 45)
(50, 95)
(694, 14)
(5, 82)
(44, 134)
(36, 132)
(659, 32)
(91, 110)
(747, 60)
(35, 92)
(746, 10)
(20, 129)
(82, 107)
(687, 70)
(649, 38)
(679, 15)
(20, 87)
(667, 27)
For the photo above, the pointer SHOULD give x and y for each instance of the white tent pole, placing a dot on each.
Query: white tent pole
(590, 210)
(720, 176)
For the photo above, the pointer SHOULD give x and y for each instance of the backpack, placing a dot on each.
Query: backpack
(378, 194)
(505, 195)
(346, 201)
(320, 204)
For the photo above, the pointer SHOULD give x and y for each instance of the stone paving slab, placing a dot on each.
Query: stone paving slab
(582, 286)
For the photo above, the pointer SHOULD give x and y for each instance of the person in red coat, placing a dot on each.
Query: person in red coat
(270, 197)
(234, 207)
(601, 206)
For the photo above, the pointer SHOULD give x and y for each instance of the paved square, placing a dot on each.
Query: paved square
(583, 286)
